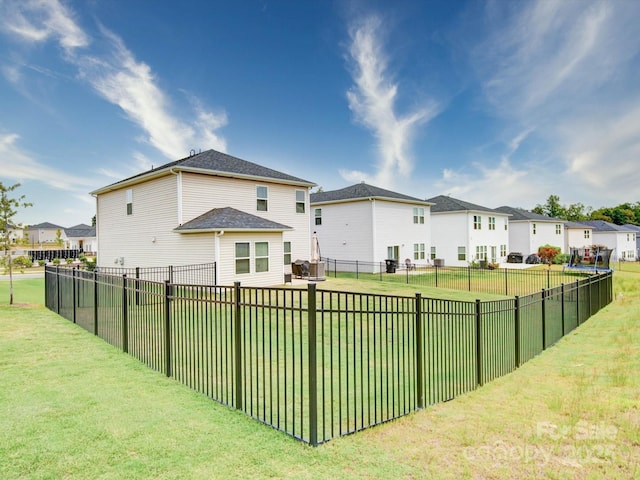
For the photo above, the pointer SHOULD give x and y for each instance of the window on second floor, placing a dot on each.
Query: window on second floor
(418, 215)
(535, 228)
(477, 222)
(129, 201)
(300, 201)
(318, 216)
(492, 223)
(506, 224)
(587, 234)
(262, 195)
(558, 229)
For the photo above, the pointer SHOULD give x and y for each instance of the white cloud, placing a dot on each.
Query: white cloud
(17, 165)
(373, 102)
(117, 76)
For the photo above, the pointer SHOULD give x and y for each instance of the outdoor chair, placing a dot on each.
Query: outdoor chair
(409, 265)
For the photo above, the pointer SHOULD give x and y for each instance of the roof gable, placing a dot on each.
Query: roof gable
(362, 191)
(45, 226)
(228, 218)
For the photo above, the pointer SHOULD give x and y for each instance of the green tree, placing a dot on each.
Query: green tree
(552, 208)
(8, 209)
(577, 212)
(93, 221)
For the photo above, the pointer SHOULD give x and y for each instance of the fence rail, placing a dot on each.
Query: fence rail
(314, 363)
(500, 281)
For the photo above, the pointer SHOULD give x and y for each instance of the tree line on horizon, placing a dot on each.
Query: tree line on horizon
(625, 213)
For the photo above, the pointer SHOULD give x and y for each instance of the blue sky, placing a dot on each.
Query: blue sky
(496, 103)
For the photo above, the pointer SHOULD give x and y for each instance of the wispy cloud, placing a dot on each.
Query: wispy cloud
(560, 71)
(372, 99)
(117, 76)
(18, 165)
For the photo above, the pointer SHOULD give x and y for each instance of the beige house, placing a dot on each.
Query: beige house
(47, 233)
(209, 207)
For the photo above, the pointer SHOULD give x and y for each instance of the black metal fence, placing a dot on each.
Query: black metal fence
(200, 274)
(500, 281)
(50, 255)
(313, 363)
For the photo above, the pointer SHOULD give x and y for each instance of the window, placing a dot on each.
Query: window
(418, 215)
(242, 257)
(462, 253)
(393, 252)
(558, 229)
(535, 228)
(418, 251)
(433, 253)
(129, 202)
(503, 250)
(262, 256)
(492, 223)
(506, 224)
(481, 252)
(287, 253)
(318, 215)
(262, 194)
(587, 234)
(300, 201)
(477, 222)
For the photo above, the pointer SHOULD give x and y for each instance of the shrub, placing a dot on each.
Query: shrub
(561, 258)
(69, 260)
(42, 263)
(56, 261)
(548, 252)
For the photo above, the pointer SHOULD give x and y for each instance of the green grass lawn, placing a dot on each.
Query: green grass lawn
(76, 407)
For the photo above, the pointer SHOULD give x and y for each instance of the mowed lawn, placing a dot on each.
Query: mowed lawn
(75, 407)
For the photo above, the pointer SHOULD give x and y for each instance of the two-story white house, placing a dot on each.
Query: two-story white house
(577, 235)
(463, 232)
(46, 233)
(209, 207)
(371, 225)
(636, 229)
(528, 231)
(622, 240)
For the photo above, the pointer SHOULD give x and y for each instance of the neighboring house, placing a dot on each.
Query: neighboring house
(15, 233)
(46, 233)
(208, 207)
(621, 239)
(636, 229)
(577, 235)
(82, 237)
(462, 232)
(370, 224)
(528, 231)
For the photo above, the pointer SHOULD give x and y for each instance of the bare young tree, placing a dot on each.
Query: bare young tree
(8, 209)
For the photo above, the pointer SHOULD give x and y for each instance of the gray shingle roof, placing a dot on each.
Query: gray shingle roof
(630, 226)
(576, 225)
(518, 214)
(212, 161)
(444, 203)
(360, 191)
(80, 230)
(45, 225)
(602, 226)
(228, 218)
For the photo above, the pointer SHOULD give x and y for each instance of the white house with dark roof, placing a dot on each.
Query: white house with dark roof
(621, 239)
(209, 207)
(370, 224)
(463, 232)
(528, 230)
(636, 229)
(46, 233)
(577, 235)
(82, 237)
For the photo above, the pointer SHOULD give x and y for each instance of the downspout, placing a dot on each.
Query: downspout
(374, 231)
(216, 252)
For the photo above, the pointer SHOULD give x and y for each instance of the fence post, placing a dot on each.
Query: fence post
(436, 267)
(577, 303)
(167, 327)
(237, 342)
(125, 320)
(170, 273)
(478, 343)
(74, 293)
(313, 368)
(357, 271)
(95, 303)
(469, 276)
(137, 286)
(549, 277)
(506, 281)
(335, 268)
(562, 307)
(419, 353)
(544, 321)
(58, 288)
(517, 330)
